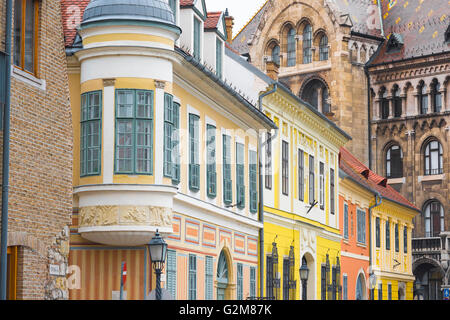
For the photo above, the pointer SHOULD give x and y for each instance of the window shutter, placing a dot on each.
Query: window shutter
(209, 278)
(176, 145)
(211, 161)
(253, 196)
(227, 183)
(345, 221)
(301, 175)
(172, 273)
(168, 134)
(194, 166)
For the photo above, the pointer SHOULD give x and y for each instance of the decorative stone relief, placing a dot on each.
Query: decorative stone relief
(134, 215)
(58, 259)
(308, 241)
(99, 216)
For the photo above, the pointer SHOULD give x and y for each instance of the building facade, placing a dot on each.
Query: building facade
(40, 155)
(163, 143)
(410, 109)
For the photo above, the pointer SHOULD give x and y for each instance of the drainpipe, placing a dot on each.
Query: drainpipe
(369, 131)
(5, 177)
(261, 197)
(378, 201)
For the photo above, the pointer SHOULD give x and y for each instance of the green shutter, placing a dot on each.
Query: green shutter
(176, 145)
(345, 221)
(197, 30)
(252, 282)
(172, 273)
(91, 133)
(168, 134)
(192, 289)
(227, 183)
(209, 274)
(240, 276)
(211, 161)
(240, 187)
(219, 47)
(194, 164)
(253, 194)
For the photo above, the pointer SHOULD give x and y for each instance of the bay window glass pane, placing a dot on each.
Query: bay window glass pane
(144, 103)
(143, 146)
(124, 145)
(125, 104)
(29, 35)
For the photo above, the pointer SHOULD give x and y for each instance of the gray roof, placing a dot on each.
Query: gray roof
(145, 10)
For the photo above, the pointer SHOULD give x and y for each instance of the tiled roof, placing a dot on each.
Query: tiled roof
(212, 20)
(186, 3)
(377, 184)
(421, 24)
(72, 15)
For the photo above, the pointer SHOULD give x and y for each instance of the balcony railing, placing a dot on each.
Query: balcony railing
(424, 245)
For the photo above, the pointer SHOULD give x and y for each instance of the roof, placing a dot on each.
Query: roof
(365, 177)
(212, 20)
(72, 13)
(421, 25)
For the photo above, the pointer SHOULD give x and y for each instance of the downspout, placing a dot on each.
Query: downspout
(378, 201)
(5, 176)
(261, 197)
(369, 131)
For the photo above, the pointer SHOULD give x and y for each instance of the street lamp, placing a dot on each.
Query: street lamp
(418, 288)
(158, 255)
(304, 272)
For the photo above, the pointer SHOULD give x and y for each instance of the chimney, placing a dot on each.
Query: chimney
(229, 22)
(272, 70)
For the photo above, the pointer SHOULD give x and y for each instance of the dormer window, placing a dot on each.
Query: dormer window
(219, 57)
(395, 42)
(197, 38)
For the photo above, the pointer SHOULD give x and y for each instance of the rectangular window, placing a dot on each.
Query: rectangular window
(388, 236)
(269, 278)
(197, 37)
(286, 270)
(194, 152)
(380, 291)
(91, 133)
(239, 284)
(322, 185)
(323, 283)
(333, 283)
(361, 226)
(211, 161)
(134, 132)
(192, 277)
(345, 221)
(405, 240)
(26, 32)
(240, 175)
(285, 168)
(168, 134)
(219, 49)
(377, 232)
(252, 282)
(332, 192)
(397, 240)
(268, 165)
(253, 193)
(172, 273)
(312, 198)
(344, 287)
(389, 291)
(227, 183)
(176, 144)
(209, 274)
(301, 175)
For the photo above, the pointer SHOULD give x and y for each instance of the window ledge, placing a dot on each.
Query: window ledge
(362, 245)
(28, 78)
(397, 180)
(436, 177)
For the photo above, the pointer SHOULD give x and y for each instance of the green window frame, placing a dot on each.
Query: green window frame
(312, 180)
(91, 133)
(377, 232)
(253, 193)
(192, 290)
(227, 182)
(388, 235)
(209, 274)
(252, 282)
(405, 240)
(301, 175)
(168, 135)
(361, 225)
(211, 173)
(397, 240)
(345, 221)
(176, 144)
(219, 48)
(173, 6)
(197, 37)
(194, 152)
(240, 282)
(322, 185)
(240, 175)
(172, 273)
(134, 132)
(285, 168)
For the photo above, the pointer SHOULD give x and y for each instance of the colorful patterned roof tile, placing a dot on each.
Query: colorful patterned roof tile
(212, 20)
(72, 15)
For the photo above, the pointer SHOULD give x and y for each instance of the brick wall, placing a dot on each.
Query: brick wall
(40, 199)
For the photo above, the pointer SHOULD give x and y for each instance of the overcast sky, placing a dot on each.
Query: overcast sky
(241, 10)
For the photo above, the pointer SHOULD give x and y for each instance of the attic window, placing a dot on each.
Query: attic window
(395, 42)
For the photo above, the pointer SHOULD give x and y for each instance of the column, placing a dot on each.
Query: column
(404, 106)
(430, 101)
(376, 109)
(108, 130)
(445, 106)
(416, 102)
(319, 100)
(391, 107)
(158, 131)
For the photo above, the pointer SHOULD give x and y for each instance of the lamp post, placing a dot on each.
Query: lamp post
(304, 272)
(158, 255)
(418, 286)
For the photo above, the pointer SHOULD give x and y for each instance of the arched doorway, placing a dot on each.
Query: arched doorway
(360, 288)
(222, 276)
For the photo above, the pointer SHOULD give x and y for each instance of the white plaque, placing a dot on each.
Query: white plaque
(54, 270)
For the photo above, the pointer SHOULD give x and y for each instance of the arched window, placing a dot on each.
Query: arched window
(323, 48)
(394, 162)
(434, 219)
(291, 59)
(307, 44)
(423, 98)
(433, 158)
(316, 93)
(276, 54)
(360, 288)
(436, 96)
(384, 102)
(397, 102)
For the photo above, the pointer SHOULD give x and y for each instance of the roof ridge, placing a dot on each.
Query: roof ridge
(251, 19)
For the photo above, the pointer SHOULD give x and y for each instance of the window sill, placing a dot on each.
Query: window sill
(397, 180)
(28, 78)
(436, 177)
(362, 245)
